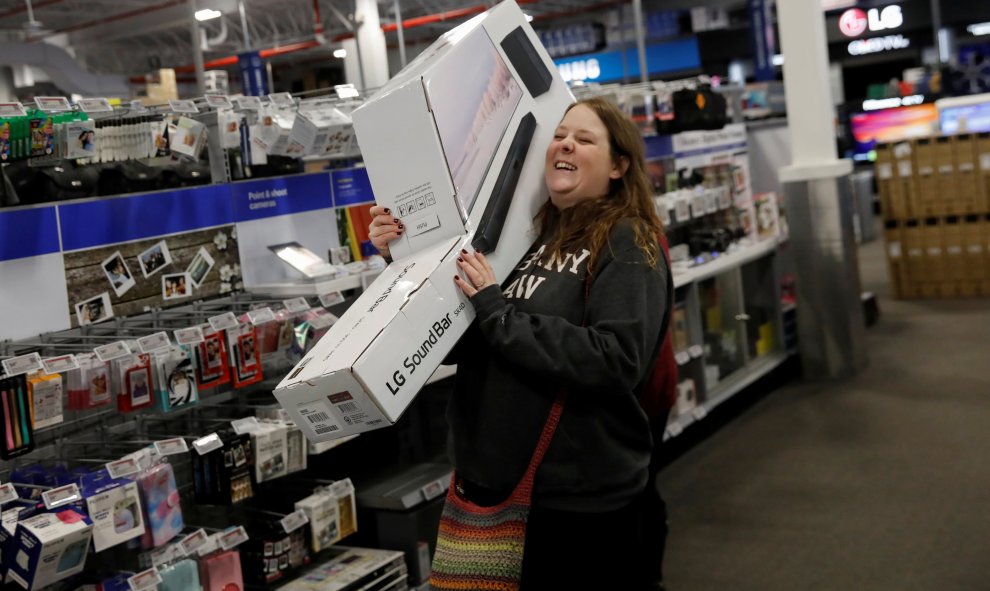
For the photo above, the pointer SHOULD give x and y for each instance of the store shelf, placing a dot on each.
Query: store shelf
(316, 288)
(723, 263)
(725, 390)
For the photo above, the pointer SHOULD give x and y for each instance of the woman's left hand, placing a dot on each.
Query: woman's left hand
(476, 270)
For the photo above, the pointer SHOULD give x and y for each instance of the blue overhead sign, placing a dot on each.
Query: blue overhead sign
(610, 66)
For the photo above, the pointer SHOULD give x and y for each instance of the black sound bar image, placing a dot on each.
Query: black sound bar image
(527, 62)
(490, 226)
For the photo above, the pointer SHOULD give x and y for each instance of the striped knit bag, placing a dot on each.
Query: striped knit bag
(481, 548)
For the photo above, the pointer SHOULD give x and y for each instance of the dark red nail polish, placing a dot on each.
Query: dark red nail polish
(398, 233)
(401, 226)
(463, 251)
(457, 278)
(460, 260)
(387, 210)
(396, 220)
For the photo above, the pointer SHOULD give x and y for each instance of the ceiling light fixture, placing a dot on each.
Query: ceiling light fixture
(207, 14)
(979, 29)
(340, 53)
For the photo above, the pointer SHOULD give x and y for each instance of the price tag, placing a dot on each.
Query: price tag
(14, 109)
(294, 521)
(193, 541)
(432, 490)
(696, 351)
(331, 299)
(698, 205)
(53, 103)
(146, 579)
(261, 316)
(183, 106)
(232, 538)
(112, 351)
(60, 364)
(205, 445)
(171, 447)
(62, 495)
(15, 366)
(682, 358)
(296, 305)
(699, 413)
(245, 425)
(219, 101)
(210, 545)
(224, 321)
(674, 429)
(123, 467)
(885, 171)
(904, 168)
(682, 210)
(189, 336)
(345, 91)
(7, 493)
(322, 322)
(95, 105)
(166, 554)
(250, 103)
(282, 99)
(153, 342)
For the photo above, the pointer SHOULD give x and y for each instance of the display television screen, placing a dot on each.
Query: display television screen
(965, 118)
(890, 125)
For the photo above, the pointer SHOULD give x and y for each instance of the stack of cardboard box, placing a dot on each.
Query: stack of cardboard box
(935, 195)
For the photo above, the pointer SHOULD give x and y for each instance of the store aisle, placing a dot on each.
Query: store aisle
(880, 482)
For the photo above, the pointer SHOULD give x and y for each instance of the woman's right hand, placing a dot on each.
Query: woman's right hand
(384, 229)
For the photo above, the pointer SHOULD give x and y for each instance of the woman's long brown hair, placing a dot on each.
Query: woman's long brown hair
(590, 222)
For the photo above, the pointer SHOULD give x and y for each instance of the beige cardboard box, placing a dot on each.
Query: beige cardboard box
(975, 254)
(967, 179)
(926, 179)
(455, 146)
(982, 156)
(935, 271)
(914, 249)
(896, 261)
(888, 185)
(947, 199)
(953, 240)
(904, 178)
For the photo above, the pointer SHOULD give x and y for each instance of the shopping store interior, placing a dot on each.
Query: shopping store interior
(184, 227)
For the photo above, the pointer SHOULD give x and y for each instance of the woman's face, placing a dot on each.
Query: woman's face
(579, 162)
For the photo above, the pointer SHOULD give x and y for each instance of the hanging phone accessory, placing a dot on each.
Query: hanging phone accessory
(212, 367)
(160, 502)
(245, 355)
(176, 377)
(136, 383)
(18, 434)
(89, 386)
(45, 393)
(221, 571)
(181, 575)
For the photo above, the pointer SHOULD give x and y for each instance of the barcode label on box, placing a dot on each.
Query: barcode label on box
(894, 250)
(885, 171)
(320, 417)
(904, 168)
(985, 161)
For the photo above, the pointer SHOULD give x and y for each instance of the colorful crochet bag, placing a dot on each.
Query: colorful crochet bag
(481, 548)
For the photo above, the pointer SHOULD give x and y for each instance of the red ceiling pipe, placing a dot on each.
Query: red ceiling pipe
(317, 21)
(444, 16)
(110, 19)
(34, 6)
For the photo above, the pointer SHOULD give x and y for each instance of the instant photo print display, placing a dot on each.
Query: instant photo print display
(455, 146)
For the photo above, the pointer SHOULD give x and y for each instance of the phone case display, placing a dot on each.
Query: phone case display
(176, 378)
(223, 476)
(134, 384)
(245, 355)
(347, 505)
(160, 503)
(324, 519)
(279, 449)
(18, 435)
(221, 572)
(89, 386)
(180, 576)
(270, 552)
(212, 368)
(45, 392)
(50, 547)
(114, 506)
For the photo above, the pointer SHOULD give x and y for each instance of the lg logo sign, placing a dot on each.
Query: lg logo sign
(856, 21)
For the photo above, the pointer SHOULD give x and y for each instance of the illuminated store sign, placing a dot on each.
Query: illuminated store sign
(893, 103)
(878, 44)
(856, 21)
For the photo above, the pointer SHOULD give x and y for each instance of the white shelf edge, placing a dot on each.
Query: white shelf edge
(732, 386)
(312, 288)
(725, 262)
